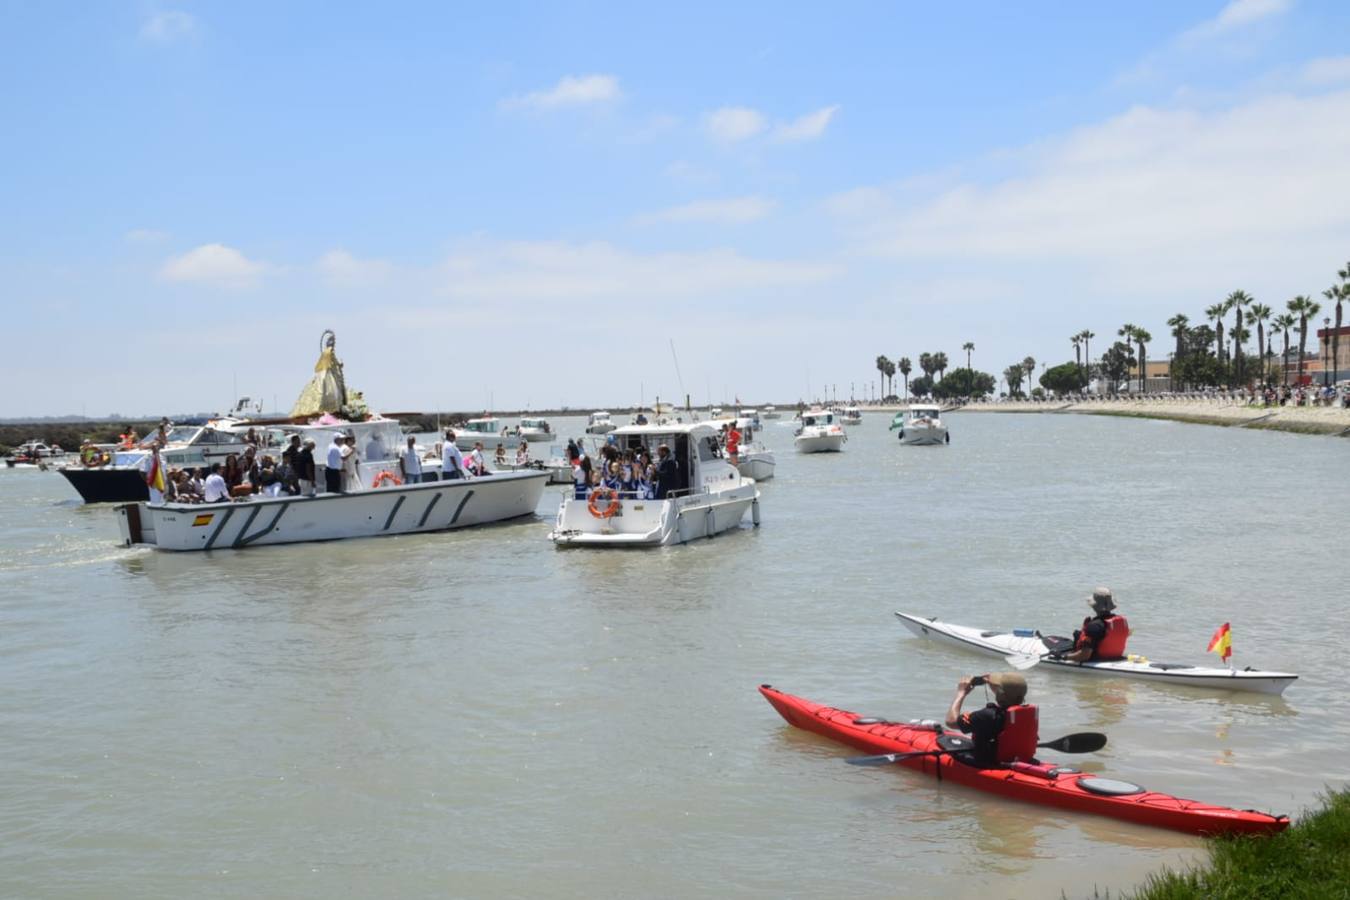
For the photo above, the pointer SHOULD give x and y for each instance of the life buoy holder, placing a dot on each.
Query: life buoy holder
(609, 510)
(386, 476)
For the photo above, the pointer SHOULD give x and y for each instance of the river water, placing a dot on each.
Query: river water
(478, 714)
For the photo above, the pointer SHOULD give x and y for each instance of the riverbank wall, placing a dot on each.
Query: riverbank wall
(1325, 420)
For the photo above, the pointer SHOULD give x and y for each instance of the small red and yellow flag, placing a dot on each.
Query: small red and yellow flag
(1222, 642)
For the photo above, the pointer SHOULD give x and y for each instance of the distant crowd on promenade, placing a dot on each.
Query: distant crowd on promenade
(1275, 396)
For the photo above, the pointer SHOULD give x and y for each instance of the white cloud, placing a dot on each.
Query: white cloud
(571, 90)
(145, 236)
(1155, 195)
(732, 211)
(552, 271)
(1327, 70)
(731, 124)
(212, 264)
(807, 127)
(168, 26)
(340, 269)
(1244, 12)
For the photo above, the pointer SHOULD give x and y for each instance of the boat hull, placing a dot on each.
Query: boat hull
(1006, 644)
(107, 484)
(655, 523)
(604, 428)
(1048, 788)
(923, 436)
(758, 465)
(404, 509)
(821, 443)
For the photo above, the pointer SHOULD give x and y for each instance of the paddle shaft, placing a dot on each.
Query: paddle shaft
(1081, 742)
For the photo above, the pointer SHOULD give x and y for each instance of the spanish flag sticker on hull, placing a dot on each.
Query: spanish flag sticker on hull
(203, 519)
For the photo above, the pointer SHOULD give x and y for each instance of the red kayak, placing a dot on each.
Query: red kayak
(1035, 783)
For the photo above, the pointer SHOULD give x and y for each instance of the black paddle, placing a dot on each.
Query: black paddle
(1082, 742)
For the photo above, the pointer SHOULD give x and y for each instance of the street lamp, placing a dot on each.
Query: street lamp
(1326, 352)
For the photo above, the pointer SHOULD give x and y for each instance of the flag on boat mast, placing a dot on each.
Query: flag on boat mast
(1222, 642)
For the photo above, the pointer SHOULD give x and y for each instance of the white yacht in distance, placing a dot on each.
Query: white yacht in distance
(771, 412)
(820, 433)
(921, 425)
(599, 423)
(708, 495)
(753, 458)
(851, 416)
(536, 431)
(488, 429)
(748, 416)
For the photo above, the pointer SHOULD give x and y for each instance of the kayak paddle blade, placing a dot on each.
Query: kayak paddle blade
(1022, 661)
(1082, 742)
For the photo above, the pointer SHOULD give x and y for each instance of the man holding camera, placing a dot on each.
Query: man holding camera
(1004, 731)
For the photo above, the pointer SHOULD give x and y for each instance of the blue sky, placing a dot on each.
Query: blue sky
(529, 203)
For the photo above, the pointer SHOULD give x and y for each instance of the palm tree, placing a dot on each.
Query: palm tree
(1142, 338)
(1257, 314)
(1013, 375)
(1215, 314)
(1087, 337)
(926, 363)
(1127, 332)
(1235, 302)
(1305, 309)
(1077, 341)
(1337, 293)
(1178, 323)
(905, 368)
(890, 373)
(940, 364)
(1030, 365)
(1283, 324)
(882, 362)
(968, 346)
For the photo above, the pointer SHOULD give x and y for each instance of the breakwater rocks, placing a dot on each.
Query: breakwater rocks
(1196, 410)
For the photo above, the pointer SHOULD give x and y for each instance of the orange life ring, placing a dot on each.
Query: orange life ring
(608, 510)
(384, 476)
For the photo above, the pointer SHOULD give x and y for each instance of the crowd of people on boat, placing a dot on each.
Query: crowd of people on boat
(632, 474)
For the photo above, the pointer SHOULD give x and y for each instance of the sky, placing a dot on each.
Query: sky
(589, 205)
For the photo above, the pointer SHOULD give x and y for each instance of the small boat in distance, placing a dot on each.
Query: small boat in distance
(851, 416)
(599, 423)
(921, 425)
(748, 416)
(1028, 643)
(709, 495)
(820, 433)
(536, 431)
(488, 429)
(770, 412)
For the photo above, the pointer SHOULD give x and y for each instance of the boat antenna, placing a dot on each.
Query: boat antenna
(676, 357)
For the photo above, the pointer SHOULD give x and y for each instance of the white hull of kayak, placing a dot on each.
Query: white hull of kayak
(406, 509)
(1003, 643)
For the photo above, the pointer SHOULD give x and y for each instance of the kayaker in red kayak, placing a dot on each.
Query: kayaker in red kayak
(1103, 635)
(1004, 731)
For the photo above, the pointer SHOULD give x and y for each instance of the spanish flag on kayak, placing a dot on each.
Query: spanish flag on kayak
(1222, 642)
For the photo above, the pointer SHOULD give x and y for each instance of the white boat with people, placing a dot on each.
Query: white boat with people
(820, 432)
(116, 474)
(921, 425)
(1027, 644)
(600, 422)
(363, 495)
(749, 416)
(33, 454)
(489, 430)
(771, 412)
(850, 416)
(697, 493)
(536, 431)
(753, 458)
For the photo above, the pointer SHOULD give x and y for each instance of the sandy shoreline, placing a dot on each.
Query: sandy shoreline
(1202, 411)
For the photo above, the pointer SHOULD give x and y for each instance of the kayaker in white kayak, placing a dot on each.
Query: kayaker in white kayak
(1103, 635)
(1004, 731)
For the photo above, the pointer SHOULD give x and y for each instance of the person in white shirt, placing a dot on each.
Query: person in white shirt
(477, 464)
(215, 490)
(375, 449)
(523, 454)
(410, 464)
(332, 472)
(351, 473)
(452, 461)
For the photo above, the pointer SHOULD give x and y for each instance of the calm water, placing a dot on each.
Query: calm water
(478, 714)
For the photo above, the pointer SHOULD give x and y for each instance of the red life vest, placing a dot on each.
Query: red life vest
(1021, 731)
(733, 442)
(1112, 646)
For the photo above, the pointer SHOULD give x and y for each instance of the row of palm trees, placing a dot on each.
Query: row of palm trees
(1247, 313)
(930, 363)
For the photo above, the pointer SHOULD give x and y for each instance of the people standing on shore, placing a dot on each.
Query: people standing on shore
(409, 463)
(1104, 634)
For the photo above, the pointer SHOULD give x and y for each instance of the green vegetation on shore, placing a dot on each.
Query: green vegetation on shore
(1310, 860)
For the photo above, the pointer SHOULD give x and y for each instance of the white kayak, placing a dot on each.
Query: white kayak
(1029, 645)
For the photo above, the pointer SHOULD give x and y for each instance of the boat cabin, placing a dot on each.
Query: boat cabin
(694, 447)
(818, 418)
(924, 411)
(536, 425)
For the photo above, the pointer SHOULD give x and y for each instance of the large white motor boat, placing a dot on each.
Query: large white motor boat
(753, 459)
(599, 423)
(118, 475)
(709, 496)
(820, 433)
(771, 412)
(921, 424)
(395, 509)
(488, 429)
(850, 416)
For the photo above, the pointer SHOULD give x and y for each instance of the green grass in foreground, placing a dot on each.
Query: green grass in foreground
(1309, 861)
